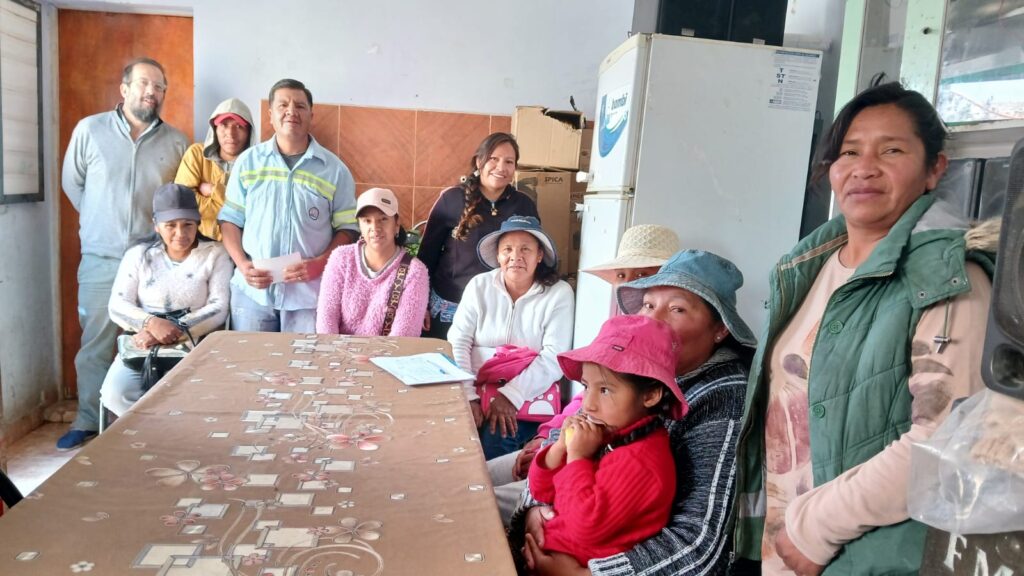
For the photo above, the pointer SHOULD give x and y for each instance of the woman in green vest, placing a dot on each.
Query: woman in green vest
(876, 326)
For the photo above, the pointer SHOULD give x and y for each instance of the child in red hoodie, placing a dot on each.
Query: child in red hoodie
(610, 475)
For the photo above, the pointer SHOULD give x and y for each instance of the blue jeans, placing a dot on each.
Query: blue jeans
(248, 316)
(99, 335)
(494, 445)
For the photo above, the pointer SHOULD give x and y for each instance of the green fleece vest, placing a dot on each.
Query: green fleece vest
(858, 397)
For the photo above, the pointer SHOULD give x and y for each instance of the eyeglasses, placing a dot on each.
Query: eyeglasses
(144, 83)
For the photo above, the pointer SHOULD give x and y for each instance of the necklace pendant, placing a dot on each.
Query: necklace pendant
(494, 211)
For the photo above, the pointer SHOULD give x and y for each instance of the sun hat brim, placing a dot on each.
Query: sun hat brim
(631, 298)
(607, 270)
(487, 249)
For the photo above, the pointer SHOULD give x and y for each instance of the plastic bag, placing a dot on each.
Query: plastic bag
(968, 478)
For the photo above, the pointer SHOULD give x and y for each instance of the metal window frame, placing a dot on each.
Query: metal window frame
(38, 196)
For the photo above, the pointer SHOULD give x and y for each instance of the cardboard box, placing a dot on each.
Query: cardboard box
(553, 193)
(585, 145)
(548, 138)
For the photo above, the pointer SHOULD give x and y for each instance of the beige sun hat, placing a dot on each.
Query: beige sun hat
(642, 246)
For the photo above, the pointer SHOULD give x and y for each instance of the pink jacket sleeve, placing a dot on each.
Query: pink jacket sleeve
(571, 408)
(332, 284)
(412, 307)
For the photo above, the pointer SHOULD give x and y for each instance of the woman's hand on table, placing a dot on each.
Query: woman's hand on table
(164, 331)
(793, 558)
(551, 563)
(501, 415)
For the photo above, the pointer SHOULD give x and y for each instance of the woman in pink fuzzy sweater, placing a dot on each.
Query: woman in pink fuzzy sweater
(359, 278)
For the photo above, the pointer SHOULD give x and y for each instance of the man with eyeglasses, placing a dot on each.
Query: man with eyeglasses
(113, 164)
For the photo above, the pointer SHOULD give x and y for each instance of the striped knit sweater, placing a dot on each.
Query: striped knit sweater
(696, 539)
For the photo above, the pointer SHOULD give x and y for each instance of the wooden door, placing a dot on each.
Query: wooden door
(94, 48)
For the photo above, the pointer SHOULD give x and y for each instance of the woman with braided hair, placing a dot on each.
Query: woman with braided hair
(463, 215)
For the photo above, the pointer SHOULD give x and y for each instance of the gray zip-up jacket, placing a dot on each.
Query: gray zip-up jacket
(110, 179)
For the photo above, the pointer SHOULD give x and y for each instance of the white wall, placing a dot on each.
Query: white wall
(29, 337)
(818, 24)
(458, 55)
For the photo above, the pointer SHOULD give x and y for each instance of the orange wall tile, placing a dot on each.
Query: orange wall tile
(445, 143)
(415, 153)
(379, 144)
(501, 124)
(424, 201)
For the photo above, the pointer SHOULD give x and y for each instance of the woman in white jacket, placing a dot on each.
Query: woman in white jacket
(176, 272)
(522, 303)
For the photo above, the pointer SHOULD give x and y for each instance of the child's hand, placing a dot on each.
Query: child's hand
(587, 438)
(567, 429)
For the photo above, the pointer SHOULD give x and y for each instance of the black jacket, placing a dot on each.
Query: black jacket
(453, 262)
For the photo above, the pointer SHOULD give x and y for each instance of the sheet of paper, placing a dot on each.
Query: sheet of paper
(429, 368)
(277, 265)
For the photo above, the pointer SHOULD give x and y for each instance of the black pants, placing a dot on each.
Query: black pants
(438, 329)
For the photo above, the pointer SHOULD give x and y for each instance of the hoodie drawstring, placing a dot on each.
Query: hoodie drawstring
(942, 339)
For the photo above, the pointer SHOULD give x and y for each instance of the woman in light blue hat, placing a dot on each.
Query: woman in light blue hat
(695, 294)
(520, 303)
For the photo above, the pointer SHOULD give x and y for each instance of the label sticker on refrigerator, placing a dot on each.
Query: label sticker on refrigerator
(612, 119)
(795, 80)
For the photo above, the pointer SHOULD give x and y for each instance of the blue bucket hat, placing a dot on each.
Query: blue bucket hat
(707, 275)
(487, 249)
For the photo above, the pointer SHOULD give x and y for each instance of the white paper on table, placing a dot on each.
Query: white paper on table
(429, 368)
(277, 265)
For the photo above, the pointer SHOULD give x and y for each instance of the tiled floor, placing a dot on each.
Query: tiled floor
(32, 460)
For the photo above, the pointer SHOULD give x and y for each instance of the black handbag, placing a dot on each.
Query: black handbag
(159, 359)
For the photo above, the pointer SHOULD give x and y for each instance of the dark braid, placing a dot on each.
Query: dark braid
(471, 183)
(471, 199)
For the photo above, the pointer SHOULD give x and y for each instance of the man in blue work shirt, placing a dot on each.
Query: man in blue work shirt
(114, 163)
(287, 195)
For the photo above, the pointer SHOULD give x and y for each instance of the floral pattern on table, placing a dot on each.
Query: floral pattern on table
(274, 488)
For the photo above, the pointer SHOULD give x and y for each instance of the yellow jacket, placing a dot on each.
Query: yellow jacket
(202, 163)
(192, 172)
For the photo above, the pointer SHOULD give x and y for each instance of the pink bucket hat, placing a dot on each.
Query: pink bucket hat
(631, 344)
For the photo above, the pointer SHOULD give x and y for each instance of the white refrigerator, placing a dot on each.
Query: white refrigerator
(709, 138)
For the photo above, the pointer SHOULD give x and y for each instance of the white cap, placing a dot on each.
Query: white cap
(380, 198)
